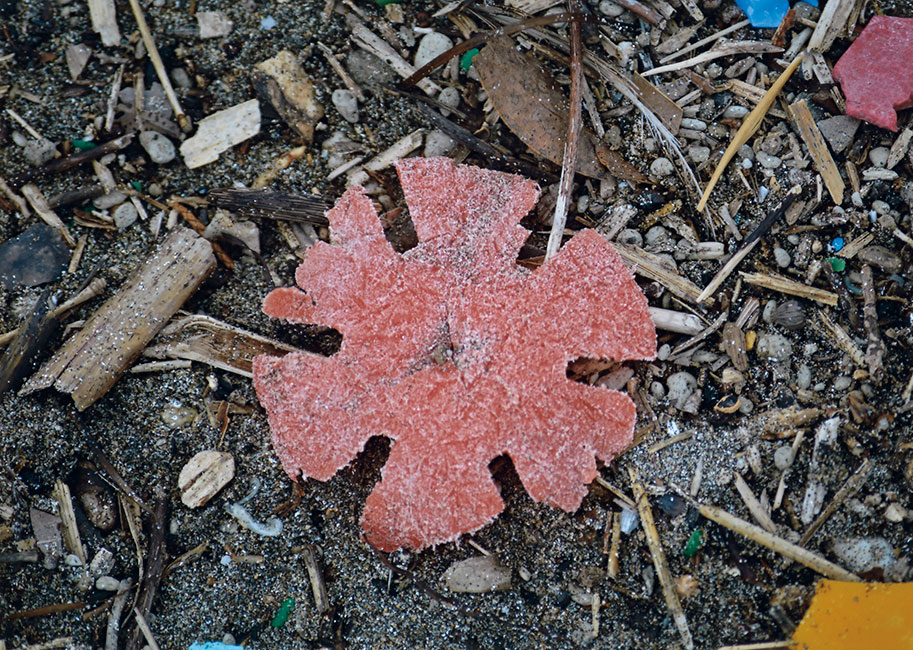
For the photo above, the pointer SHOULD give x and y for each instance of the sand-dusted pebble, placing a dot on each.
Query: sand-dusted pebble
(783, 457)
(367, 69)
(864, 553)
(125, 215)
(107, 583)
(768, 161)
(449, 97)
(438, 143)
(345, 102)
(109, 200)
(735, 112)
(804, 377)
(630, 236)
(610, 9)
(839, 131)
(699, 154)
(662, 167)
(160, 149)
(38, 152)
(477, 575)
(842, 382)
(431, 46)
(657, 236)
(775, 347)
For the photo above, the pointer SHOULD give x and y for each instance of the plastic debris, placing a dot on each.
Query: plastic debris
(838, 264)
(875, 71)
(467, 57)
(456, 353)
(694, 543)
(852, 615)
(837, 244)
(283, 612)
(214, 645)
(764, 13)
(270, 528)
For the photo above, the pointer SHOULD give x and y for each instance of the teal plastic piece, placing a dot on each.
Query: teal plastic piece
(82, 145)
(284, 610)
(694, 543)
(466, 59)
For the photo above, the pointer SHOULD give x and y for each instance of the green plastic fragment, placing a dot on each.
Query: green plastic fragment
(384, 3)
(466, 59)
(284, 610)
(136, 185)
(693, 545)
(82, 145)
(837, 263)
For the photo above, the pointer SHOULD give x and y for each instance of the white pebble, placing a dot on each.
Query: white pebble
(160, 149)
(125, 215)
(782, 257)
(699, 154)
(345, 102)
(774, 347)
(431, 46)
(879, 156)
(438, 143)
(449, 97)
(735, 112)
(662, 167)
(477, 575)
(680, 387)
(109, 200)
(767, 160)
(107, 583)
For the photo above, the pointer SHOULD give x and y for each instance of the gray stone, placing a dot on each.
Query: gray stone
(438, 143)
(662, 167)
(735, 112)
(160, 149)
(881, 257)
(838, 131)
(477, 575)
(783, 457)
(368, 69)
(767, 160)
(107, 583)
(699, 154)
(345, 102)
(431, 46)
(804, 377)
(775, 347)
(214, 24)
(610, 9)
(657, 236)
(861, 554)
(125, 215)
(782, 258)
(109, 200)
(181, 79)
(449, 97)
(630, 236)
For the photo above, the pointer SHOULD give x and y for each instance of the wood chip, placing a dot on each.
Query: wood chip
(204, 475)
(397, 151)
(213, 342)
(91, 361)
(104, 21)
(70, 530)
(221, 131)
(817, 149)
(283, 82)
(41, 207)
(655, 268)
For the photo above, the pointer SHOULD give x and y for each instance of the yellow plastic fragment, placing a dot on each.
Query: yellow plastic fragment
(855, 615)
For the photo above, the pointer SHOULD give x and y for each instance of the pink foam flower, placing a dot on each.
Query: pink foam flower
(454, 352)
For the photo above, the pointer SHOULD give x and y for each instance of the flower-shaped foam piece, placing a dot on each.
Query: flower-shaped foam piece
(456, 353)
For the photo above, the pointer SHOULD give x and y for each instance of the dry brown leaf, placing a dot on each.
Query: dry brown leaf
(533, 106)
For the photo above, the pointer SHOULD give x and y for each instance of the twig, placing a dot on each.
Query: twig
(152, 50)
(676, 321)
(371, 42)
(750, 242)
(848, 489)
(841, 338)
(117, 609)
(315, 575)
(40, 205)
(753, 505)
(94, 288)
(144, 627)
(715, 36)
(817, 149)
(21, 205)
(777, 544)
(791, 287)
(569, 165)
(112, 98)
(198, 226)
(155, 565)
(724, 49)
(660, 563)
(748, 128)
(874, 352)
(339, 70)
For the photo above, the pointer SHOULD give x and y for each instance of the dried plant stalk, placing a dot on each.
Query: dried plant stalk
(791, 287)
(91, 361)
(749, 126)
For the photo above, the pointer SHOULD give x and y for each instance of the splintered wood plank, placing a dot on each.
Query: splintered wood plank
(89, 363)
(817, 149)
(210, 341)
(533, 106)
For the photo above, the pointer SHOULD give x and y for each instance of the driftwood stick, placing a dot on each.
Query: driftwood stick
(91, 361)
(73, 160)
(875, 350)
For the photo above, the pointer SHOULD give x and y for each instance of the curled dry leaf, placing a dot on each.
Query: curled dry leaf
(533, 106)
(456, 353)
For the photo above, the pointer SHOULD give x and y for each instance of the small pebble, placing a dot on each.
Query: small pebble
(774, 347)
(895, 513)
(735, 112)
(630, 236)
(431, 46)
(657, 236)
(267, 23)
(804, 377)
(699, 154)
(449, 97)
(859, 554)
(345, 102)
(367, 69)
(879, 156)
(160, 149)
(477, 575)
(181, 79)
(125, 215)
(782, 258)
(783, 457)
(842, 382)
(790, 315)
(746, 152)
(214, 24)
(109, 200)
(38, 152)
(438, 143)
(610, 9)
(768, 161)
(662, 167)
(107, 583)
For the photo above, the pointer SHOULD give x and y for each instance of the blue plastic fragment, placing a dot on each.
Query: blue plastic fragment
(214, 645)
(766, 13)
(837, 244)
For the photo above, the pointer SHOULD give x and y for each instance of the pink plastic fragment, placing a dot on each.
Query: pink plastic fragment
(876, 72)
(456, 353)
